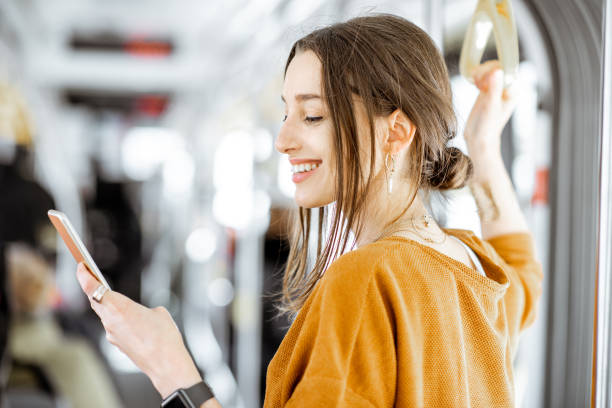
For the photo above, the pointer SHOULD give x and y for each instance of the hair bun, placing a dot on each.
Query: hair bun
(451, 171)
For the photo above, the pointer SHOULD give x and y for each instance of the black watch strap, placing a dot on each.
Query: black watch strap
(191, 397)
(199, 393)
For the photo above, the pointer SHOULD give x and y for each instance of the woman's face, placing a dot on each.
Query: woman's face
(306, 135)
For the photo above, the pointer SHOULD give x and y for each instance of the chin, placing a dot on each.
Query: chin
(308, 200)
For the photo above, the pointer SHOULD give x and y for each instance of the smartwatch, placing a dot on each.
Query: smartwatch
(191, 397)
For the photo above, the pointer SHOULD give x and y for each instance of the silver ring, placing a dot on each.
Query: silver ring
(99, 293)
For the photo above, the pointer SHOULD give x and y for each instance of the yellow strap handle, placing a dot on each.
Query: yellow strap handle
(495, 15)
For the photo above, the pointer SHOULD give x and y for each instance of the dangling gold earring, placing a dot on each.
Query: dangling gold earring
(390, 171)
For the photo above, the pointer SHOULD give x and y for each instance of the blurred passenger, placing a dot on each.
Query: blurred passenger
(23, 202)
(417, 315)
(70, 365)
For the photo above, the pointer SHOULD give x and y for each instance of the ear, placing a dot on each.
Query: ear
(401, 132)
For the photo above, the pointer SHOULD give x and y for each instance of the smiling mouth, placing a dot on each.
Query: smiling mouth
(304, 167)
(301, 171)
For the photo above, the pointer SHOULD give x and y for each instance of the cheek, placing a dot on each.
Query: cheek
(325, 137)
(328, 155)
(321, 144)
(320, 190)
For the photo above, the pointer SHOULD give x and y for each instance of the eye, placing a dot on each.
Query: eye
(284, 118)
(312, 119)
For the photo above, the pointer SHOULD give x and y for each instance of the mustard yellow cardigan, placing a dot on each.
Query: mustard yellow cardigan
(398, 324)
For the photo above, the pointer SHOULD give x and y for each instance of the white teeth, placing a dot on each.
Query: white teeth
(300, 168)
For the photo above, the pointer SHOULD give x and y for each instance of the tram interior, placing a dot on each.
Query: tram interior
(152, 126)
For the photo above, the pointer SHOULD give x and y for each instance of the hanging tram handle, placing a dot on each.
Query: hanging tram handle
(498, 16)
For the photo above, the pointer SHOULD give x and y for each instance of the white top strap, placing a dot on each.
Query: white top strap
(473, 256)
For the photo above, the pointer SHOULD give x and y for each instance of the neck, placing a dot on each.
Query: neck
(380, 218)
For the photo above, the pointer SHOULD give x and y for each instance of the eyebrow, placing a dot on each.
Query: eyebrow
(303, 97)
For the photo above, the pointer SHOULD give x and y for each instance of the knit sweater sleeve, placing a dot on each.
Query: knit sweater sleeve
(346, 342)
(517, 251)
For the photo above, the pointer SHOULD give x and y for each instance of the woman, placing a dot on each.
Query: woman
(417, 315)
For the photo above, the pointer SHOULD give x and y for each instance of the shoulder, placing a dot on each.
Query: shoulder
(352, 284)
(380, 278)
(381, 263)
(502, 248)
(358, 265)
(472, 240)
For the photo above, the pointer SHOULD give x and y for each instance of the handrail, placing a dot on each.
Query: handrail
(496, 16)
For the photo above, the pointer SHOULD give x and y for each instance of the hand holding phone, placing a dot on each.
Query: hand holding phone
(149, 337)
(74, 243)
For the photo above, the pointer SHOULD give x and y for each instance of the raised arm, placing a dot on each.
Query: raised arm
(500, 213)
(499, 209)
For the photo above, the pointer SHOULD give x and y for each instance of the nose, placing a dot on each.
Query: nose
(286, 140)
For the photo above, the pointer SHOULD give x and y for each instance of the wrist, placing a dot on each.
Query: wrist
(485, 164)
(171, 382)
(479, 148)
(479, 151)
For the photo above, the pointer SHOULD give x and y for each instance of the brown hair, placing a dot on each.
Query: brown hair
(388, 63)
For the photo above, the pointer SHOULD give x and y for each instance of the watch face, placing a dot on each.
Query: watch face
(177, 400)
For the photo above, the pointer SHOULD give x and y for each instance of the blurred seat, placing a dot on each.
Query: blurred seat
(30, 387)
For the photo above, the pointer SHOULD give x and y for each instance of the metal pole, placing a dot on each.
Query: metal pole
(601, 388)
(247, 314)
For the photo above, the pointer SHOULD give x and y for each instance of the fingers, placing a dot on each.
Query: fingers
(115, 311)
(489, 78)
(492, 83)
(482, 70)
(88, 283)
(100, 311)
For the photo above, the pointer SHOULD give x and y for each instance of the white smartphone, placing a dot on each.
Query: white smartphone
(74, 243)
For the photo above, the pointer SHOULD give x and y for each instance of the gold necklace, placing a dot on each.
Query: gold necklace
(427, 219)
